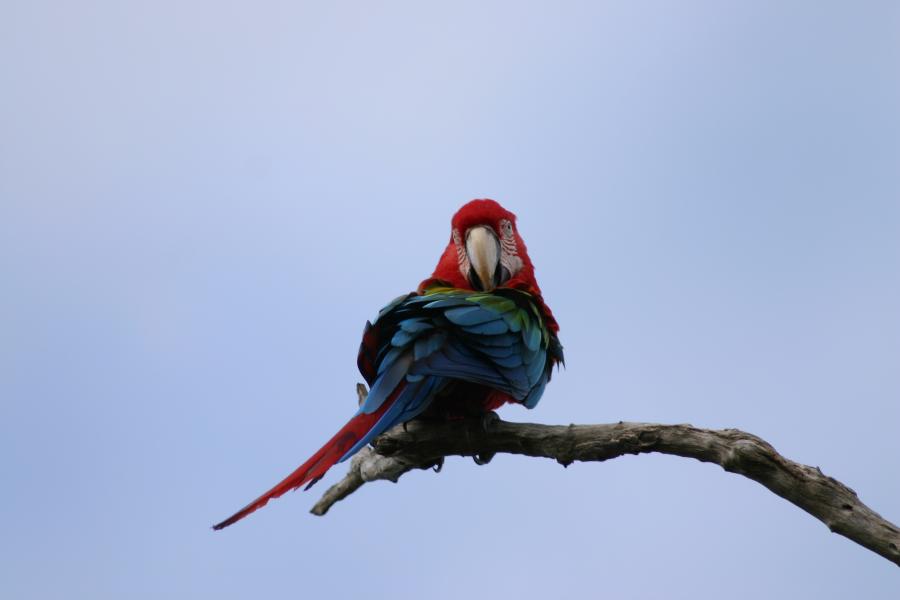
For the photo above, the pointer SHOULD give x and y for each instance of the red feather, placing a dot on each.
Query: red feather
(474, 213)
(487, 212)
(319, 463)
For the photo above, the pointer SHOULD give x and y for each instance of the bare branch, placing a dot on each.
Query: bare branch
(424, 444)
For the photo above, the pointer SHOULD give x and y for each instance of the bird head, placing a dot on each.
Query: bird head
(485, 251)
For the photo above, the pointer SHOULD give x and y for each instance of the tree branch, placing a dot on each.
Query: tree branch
(424, 444)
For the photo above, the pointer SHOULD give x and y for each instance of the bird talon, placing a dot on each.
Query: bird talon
(438, 465)
(483, 459)
(488, 420)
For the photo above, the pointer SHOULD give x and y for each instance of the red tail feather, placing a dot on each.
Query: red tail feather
(319, 463)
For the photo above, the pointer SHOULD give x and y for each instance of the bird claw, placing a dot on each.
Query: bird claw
(488, 420)
(483, 459)
(438, 465)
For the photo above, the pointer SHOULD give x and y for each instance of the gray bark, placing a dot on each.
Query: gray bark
(424, 444)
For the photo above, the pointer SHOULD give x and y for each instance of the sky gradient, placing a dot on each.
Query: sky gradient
(201, 203)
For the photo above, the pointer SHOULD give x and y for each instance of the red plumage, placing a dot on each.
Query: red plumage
(319, 463)
(487, 212)
(457, 398)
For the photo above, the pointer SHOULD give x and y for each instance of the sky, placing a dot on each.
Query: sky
(201, 203)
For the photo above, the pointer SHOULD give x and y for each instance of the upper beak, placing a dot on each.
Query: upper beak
(483, 249)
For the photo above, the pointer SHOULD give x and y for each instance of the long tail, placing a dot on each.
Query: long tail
(318, 464)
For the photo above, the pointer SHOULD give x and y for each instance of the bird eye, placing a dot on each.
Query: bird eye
(506, 228)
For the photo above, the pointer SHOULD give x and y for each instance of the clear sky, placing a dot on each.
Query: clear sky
(201, 203)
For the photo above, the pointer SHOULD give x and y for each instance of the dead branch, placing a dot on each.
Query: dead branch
(424, 444)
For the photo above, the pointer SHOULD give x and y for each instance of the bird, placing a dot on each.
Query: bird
(473, 336)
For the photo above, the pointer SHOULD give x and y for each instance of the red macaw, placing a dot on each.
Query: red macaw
(473, 336)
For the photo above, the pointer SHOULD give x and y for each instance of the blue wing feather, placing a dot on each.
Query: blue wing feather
(386, 382)
(404, 337)
(509, 362)
(389, 358)
(489, 328)
(425, 341)
(503, 340)
(412, 400)
(416, 325)
(536, 367)
(392, 305)
(445, 303)
(536, 392)
(425, 346)
(470, 315)
(495, 352)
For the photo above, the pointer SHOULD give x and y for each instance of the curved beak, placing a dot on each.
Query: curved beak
(483, 249)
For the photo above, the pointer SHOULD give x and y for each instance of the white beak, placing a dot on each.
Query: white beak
(483, 249)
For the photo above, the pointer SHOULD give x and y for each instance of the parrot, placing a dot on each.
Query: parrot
(474, 336)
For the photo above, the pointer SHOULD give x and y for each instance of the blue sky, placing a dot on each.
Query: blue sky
(201, 203)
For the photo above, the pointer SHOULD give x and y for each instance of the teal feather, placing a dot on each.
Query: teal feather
(490, 328)
(403, 337)
(508, 362)
(445, 302)
(536, 367)
(497, 351)
(416, 325)
(496, 339)
(503, 340)
(532, 336)
(514, 319)
(392, 305)
(425, 346)
(470, 315)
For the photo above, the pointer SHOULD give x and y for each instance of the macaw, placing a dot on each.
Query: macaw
(473, 336)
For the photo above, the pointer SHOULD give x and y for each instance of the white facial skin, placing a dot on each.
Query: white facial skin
(509, 253)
